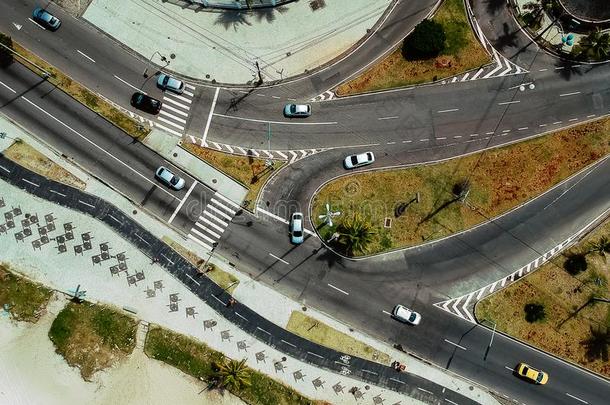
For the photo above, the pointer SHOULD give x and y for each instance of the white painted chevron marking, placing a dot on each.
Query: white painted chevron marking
(230, 148)
(477, 74)
(283, 155)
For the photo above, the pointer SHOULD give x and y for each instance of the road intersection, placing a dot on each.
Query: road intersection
(405, 126)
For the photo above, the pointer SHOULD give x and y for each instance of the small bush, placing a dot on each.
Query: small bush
(426, 41)
(576, 263)
(534, 312)
(6, 56)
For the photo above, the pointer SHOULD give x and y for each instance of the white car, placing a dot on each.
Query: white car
(404, 314)
(361, 159)
(296, 228)
(297, 110)
(166, 82)
(169, 178)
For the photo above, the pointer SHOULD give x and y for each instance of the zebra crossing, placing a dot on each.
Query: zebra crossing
(175, 111)
(213, 221)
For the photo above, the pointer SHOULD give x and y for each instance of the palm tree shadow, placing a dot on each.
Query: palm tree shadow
(495, 5)
(330, 258)
(268, 13)
(567, 70)
(507, 39)
(233, 19)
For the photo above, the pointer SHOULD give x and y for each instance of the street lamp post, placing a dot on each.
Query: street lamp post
(491, 340)
(205, 265)
(163, 59)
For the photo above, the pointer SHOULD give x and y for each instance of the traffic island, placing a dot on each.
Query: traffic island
(92, 337)
(438, 200)
(562, 308)
(462, 52)
(21, 299)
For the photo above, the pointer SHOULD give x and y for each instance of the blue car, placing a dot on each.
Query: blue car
(46, 19)
(296, 228)
(166, 82)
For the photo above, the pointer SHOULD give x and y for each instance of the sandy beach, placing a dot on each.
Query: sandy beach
(32, 373)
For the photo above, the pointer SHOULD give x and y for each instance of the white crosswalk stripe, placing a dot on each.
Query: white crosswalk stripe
(175, 111)
(214, 220)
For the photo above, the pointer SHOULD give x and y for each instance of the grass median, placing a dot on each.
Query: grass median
(251, 172)
(197, 359)
(575, 326)
(92, 337)
(462, 52)
(23, 299)
(82, 94)
(497, 180)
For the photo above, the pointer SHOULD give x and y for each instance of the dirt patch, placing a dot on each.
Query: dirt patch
(75, 8)
(28, 157)
(463, 52)
(223, 279)
(567, 300)
(318, 332)
(500, 179)
(251, 172)
(92, 337)
(20, 298)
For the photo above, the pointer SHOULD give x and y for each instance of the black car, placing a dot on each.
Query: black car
(146, 103)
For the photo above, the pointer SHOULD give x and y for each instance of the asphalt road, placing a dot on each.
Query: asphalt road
(417, 277)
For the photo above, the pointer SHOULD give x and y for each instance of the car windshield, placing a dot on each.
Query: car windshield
(525, 370)
(174, 180)
(539, 378)
(298, 234)
(354, 160)
(412, 317)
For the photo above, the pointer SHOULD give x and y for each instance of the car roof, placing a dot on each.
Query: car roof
(164, 173)
(301, 108)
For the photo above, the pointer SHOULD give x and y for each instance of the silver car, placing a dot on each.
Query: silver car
(404, 314)
(296, 228)
(166, 82)
(169, 178)
(297, 110)
(361, 159)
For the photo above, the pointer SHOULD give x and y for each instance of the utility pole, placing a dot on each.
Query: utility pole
(268, 162)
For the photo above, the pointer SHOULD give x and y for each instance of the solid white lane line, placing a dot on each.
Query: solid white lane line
(209, 214)
(8, 87)
(572, 119)
(212, 224)
(207, 124)
(86, 56)
(58, 193)
(275, 122)
(97, 146)
(171, 131)
(39, 26)
(278, 258)
(450, 110)
(426, 391)
(273, 215)
(569, 94)
(556, 122)
(170, 96)
(509, 368)
(186, 196)
(542, 125)
(174, 102)
(509, 102)
(174, 109)
(88, 205)
(338, 289)
(206, 246)
(522, 129)
(173, 124)
(576, 398)
(455, 344)
(188, 93)
(386, 312)
(130, 85)
(388, 118)
(192, 279)
(172, 116)
(222, 197)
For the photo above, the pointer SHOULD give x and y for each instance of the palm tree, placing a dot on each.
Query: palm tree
(233, 374)
(602, 246)
(597, 344)
(535, 14)
(355, 234)
(595, 46)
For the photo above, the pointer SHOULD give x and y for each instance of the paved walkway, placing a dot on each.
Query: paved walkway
(118, 269)
(226, 45)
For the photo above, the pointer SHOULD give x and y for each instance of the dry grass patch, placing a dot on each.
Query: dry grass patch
(82, 94)
(500, 180)
(251, 172)
(220, 277)
(28, 157)
(570, 314)
(92, 337)
(24, 299)
(197, 359)
(463, 51)
(318, 332)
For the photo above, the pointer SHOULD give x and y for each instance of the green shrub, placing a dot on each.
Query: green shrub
(426, 41)
(575, 263)
(534, 312)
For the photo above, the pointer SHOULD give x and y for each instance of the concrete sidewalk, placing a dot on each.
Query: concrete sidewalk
(149, 295)
(225, 45)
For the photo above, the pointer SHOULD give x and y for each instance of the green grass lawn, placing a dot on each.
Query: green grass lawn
(462, 50)
(92, 337)
(25, 299)
(196, 359)
(500, 180)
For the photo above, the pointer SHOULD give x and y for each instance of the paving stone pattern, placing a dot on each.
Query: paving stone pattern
(101, 254)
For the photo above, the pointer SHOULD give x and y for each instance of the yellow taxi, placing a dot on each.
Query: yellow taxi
(529, 373)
